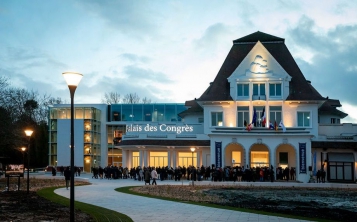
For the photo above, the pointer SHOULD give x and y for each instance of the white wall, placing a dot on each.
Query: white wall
(64, 141)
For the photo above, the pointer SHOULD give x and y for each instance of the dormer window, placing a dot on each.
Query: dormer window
(259, 91)
(275, 89)
(243, 90)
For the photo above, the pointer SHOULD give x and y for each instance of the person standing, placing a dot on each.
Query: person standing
(147, 176)
(154, 176)
(67, 176)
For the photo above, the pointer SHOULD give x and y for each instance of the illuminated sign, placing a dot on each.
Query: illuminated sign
(161, 128)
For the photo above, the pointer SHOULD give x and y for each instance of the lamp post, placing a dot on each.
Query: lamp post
(72, 80)
(192, 171)
(28, 133)
(23, 149)
(192, 150)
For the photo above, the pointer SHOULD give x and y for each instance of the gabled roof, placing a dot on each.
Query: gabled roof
(329, 108)
(194, 109)
(261, 36)
(300, 89)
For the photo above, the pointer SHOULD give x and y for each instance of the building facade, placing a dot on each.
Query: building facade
(259, 111)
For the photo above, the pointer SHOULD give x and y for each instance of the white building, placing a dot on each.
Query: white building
(258, 80)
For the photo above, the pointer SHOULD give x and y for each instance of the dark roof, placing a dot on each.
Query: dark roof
(300, 89)
(194, 109)
(136, 142)
(329, 108)
(261, 36)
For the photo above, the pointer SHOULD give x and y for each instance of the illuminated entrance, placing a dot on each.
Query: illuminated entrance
(285, 156)
(185, 159)
(233, 155)
(259, 156)
(158, 159)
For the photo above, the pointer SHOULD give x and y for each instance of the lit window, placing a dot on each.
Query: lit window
(242, 116)
(275, 114)
(303, 119)
(217, 118)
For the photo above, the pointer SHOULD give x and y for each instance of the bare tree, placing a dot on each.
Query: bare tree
(131, 98)
(145, 100)
(111, 98)
(3, 82)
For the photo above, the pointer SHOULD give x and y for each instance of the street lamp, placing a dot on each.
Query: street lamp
(28, 133)
(23, 149)
(72, 80)
(192, 150)
(192, 171)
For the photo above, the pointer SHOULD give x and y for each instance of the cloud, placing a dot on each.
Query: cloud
(333, 67)
(138, 75)
(95, 93)
(135, 58)
(212, 37)
(129, 17)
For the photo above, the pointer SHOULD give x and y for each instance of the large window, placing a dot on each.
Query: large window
(137, 112)
(283, 159)
(170, 113)
(258, 89)
(243, 90)
(158, 114)
(236, 158)
(259, 111)
(275, 89)
(243, 116)
(187, 159)
(146, 112)
(136, 159)
(275, 114)
(259, 159)
(158, 159)
(127, 112)
(217, 118)
(303, 119)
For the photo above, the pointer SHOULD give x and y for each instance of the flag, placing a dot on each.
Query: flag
(271, 126)
(249, 127)
(275, 126)
(254, 117)
(254, 120)
(281, 124)
(263, 118)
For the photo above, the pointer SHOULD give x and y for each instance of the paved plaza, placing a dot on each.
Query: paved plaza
(102, 193)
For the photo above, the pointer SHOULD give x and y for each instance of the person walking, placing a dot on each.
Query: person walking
(67, 176)
(154, 176)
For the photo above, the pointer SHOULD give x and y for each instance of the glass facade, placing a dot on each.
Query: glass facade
(146, 112)
(91, 133)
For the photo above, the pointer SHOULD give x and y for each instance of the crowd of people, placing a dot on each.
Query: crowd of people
(212, 173)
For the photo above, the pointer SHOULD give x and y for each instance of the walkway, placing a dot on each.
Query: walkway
(102, 193)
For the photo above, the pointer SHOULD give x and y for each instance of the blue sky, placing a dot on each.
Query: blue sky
(169, 51)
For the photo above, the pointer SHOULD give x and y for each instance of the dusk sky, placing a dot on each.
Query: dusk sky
(169, 51)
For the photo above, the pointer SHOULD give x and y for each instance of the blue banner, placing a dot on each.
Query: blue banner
(218, 148)
(302, 157)
(314, 163)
